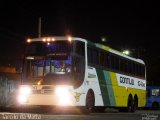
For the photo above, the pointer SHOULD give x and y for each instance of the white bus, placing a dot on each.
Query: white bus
(70, 71)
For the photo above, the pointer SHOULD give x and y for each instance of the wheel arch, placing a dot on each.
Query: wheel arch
(130, 96)
(136, 98)
(90, 100)
(91, 92)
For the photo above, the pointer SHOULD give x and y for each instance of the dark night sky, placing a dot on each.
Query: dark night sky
(125, 24)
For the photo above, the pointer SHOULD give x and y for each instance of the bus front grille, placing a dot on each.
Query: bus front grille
(42, 91)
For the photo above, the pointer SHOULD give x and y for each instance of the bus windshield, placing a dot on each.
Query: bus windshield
(57, 49)
(45, 62)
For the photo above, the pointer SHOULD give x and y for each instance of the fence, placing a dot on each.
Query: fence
(8, 90)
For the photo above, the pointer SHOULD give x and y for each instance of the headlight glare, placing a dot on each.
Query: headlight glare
(22, 99)
(25, 90)
(64, 95)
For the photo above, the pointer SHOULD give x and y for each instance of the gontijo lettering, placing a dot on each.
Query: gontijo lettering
(130, 82)
(126, 80)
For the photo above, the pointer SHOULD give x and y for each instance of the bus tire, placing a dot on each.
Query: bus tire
(130, 104)
(90, 101)
(135, 104)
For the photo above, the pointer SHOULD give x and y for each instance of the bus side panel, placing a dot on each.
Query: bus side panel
(90, 83)
(142, 102)
(120, 93)
(106, 88)
(114, 95)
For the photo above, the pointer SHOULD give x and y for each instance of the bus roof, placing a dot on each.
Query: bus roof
(50, 39)
(118, 53)
(111, 50)
(101, 46)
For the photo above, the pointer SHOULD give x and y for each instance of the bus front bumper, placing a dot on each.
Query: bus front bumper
(62, 96)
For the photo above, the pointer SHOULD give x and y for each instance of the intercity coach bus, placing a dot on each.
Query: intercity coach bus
(71, 71)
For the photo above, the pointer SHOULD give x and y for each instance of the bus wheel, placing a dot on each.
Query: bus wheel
(130, 104)
(155, 106)
(135, 104)
(90, 101)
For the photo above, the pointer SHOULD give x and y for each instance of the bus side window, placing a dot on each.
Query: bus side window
(106, 60)
(89, 55)
(80, 49)
(155, 92)
(79, 66)
(79, 63)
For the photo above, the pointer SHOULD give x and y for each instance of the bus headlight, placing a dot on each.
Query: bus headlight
(22, 98)
(24, 91)
(64, 95)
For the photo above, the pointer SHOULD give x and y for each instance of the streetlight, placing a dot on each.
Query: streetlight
(103, 39)
(126, 52)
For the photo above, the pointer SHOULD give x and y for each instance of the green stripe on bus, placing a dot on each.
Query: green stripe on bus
(107, 77)
(109, 88)
(103, 87)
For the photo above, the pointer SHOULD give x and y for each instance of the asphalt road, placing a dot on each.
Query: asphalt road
(74, 115)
